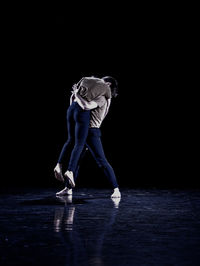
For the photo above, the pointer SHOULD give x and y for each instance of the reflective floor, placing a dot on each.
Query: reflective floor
(145, 227)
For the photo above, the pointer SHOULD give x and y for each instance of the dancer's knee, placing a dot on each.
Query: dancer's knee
(102, 163)
(69, 141)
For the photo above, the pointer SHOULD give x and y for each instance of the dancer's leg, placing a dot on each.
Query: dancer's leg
(71, 133)
(66, 146)
(95, 146)
(82, 119)
(76, 173)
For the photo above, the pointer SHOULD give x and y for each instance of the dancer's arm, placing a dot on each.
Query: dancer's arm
(71, 98)
(107, 107)
(85, 105)
(74, 89)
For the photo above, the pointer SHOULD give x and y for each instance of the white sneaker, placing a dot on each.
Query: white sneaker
(116, 193)
(58, 173)
(65, 191)
(69, 175)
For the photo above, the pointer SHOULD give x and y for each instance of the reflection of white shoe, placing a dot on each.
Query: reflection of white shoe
(69, 175)
(116, 193)
(116, 202)
(65, 198)
(58, 172)
(65, 191)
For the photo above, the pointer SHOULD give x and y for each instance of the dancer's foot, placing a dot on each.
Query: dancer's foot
(69, 175)
(116, 193)
(64, 192)
(58, 172)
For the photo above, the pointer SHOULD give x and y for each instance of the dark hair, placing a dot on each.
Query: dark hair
(113, 86)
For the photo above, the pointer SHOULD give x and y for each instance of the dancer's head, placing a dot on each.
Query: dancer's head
(113, 85)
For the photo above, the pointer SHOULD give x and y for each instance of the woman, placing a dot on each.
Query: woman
(99, 108)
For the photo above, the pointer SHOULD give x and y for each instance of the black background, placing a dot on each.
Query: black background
(149, 133)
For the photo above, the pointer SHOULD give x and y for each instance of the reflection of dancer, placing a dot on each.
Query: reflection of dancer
(60, 213)
(78, 119)
(83, 247)
(70, 239)
(93, 140)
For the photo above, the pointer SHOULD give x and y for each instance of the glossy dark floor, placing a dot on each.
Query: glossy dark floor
(147, 227)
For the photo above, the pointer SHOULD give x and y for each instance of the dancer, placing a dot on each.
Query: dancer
(78, 119)
(93, 141)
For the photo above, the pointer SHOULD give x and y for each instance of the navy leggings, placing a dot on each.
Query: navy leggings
(94, 145)
(77, 126)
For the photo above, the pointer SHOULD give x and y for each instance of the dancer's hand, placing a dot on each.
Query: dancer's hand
(74, 88)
